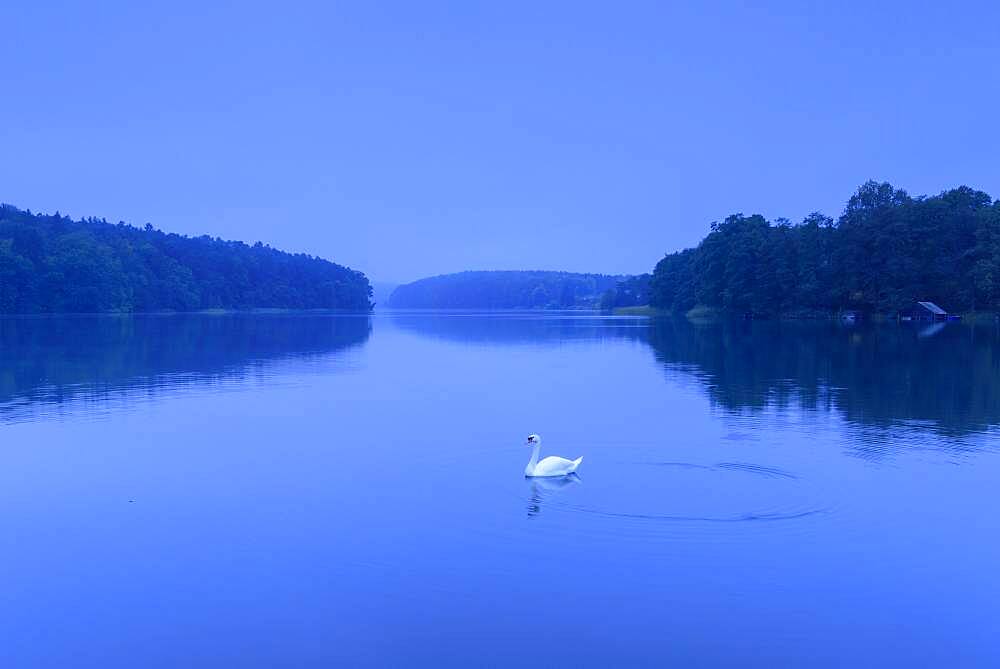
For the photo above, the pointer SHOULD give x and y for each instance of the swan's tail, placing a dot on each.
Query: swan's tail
(576, 463)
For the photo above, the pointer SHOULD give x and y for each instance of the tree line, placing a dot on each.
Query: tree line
(54, 264)
(506, 290)
(886, 250)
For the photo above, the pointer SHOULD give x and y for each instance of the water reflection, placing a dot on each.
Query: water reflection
(925, 331)
(519, 328)
(708, 518)
(876, 375)
(53, 360)
(944, 377)
(543, 489)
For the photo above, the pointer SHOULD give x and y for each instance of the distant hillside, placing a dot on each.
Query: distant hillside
(508, 290)
(381, 292)
(53, 264)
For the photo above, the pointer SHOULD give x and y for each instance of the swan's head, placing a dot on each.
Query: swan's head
(533, 439)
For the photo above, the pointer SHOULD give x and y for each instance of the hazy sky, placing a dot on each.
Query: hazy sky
(416, 138)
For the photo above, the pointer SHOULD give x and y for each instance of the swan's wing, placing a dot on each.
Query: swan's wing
(554, 466)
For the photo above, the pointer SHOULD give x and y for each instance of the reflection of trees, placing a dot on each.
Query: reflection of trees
(518, 327)
(56, 358)
(874, 375)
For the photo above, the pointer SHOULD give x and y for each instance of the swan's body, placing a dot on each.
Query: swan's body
(550, 466)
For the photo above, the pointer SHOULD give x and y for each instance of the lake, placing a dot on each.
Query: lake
(348, 491)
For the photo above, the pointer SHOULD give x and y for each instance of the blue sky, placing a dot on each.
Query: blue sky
(409, 139)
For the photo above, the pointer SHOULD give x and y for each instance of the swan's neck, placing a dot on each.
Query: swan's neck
(529, 470)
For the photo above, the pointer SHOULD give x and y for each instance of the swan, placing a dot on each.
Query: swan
(550, 466)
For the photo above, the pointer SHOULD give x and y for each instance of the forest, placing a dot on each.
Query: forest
(517, 290)
(53, 264)
(886, 250)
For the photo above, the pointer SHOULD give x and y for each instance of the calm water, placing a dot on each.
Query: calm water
(305, 491)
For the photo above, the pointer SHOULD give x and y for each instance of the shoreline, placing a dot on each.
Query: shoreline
(199, 312)
(709, 313)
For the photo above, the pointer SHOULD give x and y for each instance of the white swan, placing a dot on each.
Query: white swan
(550, 466)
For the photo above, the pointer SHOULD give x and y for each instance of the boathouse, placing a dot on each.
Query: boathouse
(924, 311)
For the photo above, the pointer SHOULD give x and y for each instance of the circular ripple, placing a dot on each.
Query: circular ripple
(684, 492)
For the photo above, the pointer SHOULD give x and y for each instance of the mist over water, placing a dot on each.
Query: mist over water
(318, 490)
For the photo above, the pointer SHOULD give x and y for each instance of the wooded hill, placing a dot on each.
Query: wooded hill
(517, 290)
(53, 264)
(886, 250)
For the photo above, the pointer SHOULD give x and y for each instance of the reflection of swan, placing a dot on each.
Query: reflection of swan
(544, 487)
(550, 466)
(550, 485)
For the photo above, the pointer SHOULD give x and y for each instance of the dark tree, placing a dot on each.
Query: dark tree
(886, 250)
(54, 264)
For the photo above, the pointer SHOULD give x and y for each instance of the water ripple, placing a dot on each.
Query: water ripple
(743, 518)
